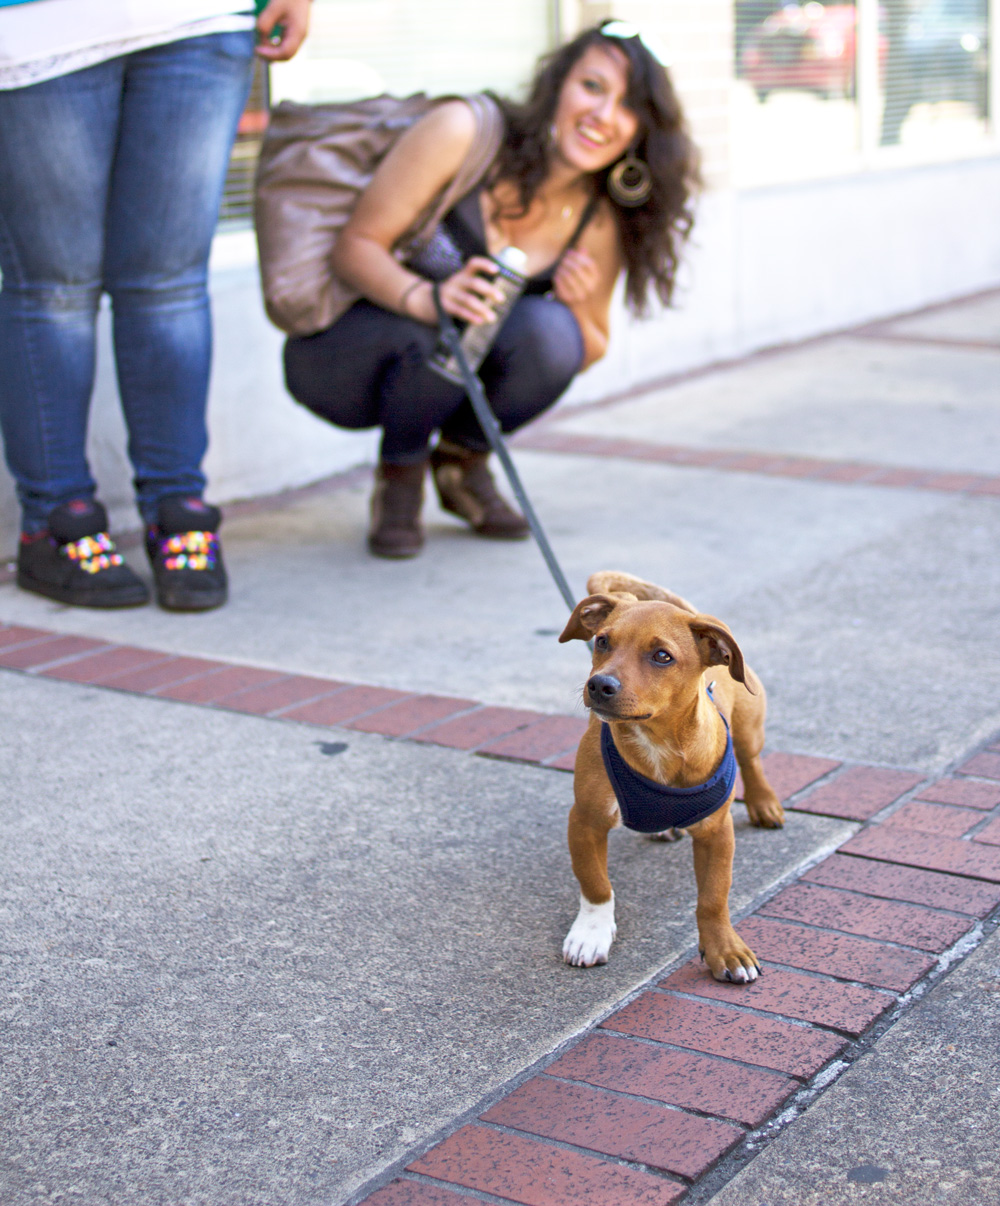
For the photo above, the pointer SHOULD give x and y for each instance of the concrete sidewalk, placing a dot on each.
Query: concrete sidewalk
(249, 961)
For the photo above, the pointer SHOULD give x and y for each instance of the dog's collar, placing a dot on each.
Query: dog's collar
(652, 807)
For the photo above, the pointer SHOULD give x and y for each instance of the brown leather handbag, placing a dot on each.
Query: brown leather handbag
(315, 162)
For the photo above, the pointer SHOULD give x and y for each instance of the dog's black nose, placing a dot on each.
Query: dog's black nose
(603, 686)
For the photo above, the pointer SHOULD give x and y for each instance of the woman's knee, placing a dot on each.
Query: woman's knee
(539, 352)
(544, 338)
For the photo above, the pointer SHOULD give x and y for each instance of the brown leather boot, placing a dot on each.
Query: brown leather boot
(399, 494)
(466, 488)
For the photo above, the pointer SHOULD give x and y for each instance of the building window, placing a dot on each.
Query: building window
(822, 88)
(795, 108)
(934, 78)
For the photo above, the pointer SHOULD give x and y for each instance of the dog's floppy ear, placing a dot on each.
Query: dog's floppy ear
(718, 647)
(589, 614)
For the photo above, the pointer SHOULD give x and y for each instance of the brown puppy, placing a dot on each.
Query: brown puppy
(666, 683)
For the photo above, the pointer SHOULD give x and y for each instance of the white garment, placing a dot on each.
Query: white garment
(48, 38)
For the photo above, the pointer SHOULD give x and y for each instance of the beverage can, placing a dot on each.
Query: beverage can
(476, 341)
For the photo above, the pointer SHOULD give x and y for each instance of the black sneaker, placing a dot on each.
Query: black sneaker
(75, 561)
(186, 556)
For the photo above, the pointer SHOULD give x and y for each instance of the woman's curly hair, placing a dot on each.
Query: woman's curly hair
(651, 234)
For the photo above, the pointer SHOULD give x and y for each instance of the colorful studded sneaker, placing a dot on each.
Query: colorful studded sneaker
(184, 551)
(74, 561)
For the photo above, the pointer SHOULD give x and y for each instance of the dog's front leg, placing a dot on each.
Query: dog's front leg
(591, 934)
(725, 952)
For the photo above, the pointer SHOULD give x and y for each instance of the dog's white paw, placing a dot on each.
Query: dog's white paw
(591, 935)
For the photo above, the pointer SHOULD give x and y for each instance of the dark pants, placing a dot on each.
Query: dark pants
(369, 370)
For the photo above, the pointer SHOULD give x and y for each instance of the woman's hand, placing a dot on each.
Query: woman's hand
(576, 278)
(469, 295)
(293, 18)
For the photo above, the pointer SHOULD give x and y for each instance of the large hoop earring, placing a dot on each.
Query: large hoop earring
(630, 182)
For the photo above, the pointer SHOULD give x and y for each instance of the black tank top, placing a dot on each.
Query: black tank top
(461, 234)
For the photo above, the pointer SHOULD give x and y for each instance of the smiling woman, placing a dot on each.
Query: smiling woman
(593, 177)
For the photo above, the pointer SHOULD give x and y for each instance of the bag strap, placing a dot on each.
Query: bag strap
(581, 226)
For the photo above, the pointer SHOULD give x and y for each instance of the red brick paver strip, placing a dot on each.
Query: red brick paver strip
(410, 714)
(105, 664)
(857, 793)
(990, 833)
(846, 471)
(566, 762)
(344, 705)
(935, 818)
(15, 634)
(986, 765)
(605, 1122)
(851, 913)
(741, 461)
(547, 737)
(42, 653)
(842, 955)
(404, 1192)
(163, 674)
(898, 477)
(681, 1078)
(969, 793)
(906, 883)
(540, 1174)
(220, 681)
(477, 728)
(715, 1030)
(933, 853)
(278, 694)
(952, 483)
(846, 1007)
(790, 773)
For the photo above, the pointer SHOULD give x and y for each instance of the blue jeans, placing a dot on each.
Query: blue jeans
(369, 370)
(110, 181)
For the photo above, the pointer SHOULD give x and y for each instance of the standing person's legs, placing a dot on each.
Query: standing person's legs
(57, 142)
(180, 110)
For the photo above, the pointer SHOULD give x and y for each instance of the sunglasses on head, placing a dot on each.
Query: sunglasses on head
(625, 30)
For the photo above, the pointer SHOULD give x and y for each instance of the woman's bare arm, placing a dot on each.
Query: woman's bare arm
(423, 162)
(585, 281)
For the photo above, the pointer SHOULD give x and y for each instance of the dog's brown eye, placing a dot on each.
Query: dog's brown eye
(601, 643)
(662, 658)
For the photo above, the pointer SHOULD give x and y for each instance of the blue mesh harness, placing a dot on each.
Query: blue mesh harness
(651, 807)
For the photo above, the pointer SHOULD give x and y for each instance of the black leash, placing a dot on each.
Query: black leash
(491, 429)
